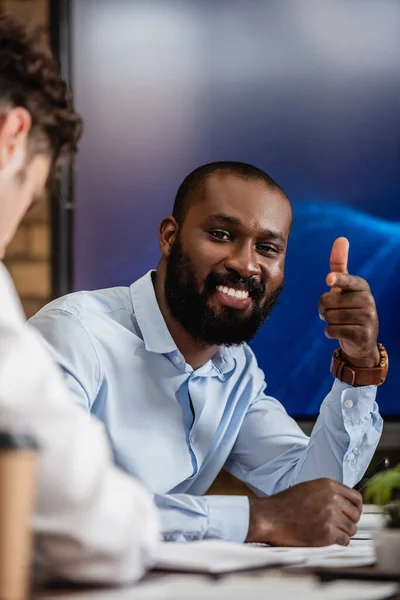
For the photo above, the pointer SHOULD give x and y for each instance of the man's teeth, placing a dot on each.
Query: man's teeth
(232, 292)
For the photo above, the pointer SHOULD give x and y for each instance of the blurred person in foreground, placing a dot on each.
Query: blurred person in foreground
(166, 365)
(92, 522)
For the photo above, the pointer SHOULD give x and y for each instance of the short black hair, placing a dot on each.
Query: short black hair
(199, 176)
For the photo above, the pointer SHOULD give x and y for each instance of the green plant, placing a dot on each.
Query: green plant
(384, 489)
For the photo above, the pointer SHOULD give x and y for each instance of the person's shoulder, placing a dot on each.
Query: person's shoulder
(11, 311)
(85, 303)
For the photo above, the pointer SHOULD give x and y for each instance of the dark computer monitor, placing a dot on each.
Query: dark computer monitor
(308, 91)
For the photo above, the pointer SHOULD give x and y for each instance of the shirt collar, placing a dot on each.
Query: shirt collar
(156, 335)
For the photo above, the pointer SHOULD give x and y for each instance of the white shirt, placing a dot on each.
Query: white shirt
(92, 521)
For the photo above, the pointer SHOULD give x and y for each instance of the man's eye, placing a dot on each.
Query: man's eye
(220, 235)
(268, 249)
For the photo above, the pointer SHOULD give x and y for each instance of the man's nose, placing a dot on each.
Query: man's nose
(244, 260)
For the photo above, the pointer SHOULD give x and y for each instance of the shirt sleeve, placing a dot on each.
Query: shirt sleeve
(92, 521)
(71, 347)
(187, 518)
(271, 453)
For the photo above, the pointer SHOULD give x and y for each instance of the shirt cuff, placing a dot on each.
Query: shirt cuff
(229, 517)
(356, 403)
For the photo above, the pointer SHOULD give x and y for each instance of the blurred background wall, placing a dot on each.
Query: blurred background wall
(307, 90)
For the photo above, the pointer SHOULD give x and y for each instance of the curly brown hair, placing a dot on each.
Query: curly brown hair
(30, 78)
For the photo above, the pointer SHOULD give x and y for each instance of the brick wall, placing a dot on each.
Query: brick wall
(28, 256)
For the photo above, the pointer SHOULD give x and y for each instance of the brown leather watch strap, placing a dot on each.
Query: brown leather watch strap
(358, 376)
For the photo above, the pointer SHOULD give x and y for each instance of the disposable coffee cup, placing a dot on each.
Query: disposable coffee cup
(18, 457)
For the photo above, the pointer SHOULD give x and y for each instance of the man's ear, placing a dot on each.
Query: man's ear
(14, 128)
(167, 234)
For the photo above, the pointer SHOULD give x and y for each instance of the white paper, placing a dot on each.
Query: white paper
(363, 534)
(216, 556)
(359, 553)
(372, 509)
(281, 589)
(196, 588)
(372, 519)
(371, 522)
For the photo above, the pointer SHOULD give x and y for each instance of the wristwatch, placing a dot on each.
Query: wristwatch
(358, 376)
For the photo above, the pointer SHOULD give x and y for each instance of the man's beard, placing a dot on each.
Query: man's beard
(191, 309)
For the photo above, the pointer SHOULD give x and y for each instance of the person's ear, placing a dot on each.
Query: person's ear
(14, 129)
(167, 234)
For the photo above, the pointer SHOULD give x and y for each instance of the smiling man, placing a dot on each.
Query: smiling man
(165, 365)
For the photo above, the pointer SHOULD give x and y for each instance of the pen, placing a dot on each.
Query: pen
(382, 465)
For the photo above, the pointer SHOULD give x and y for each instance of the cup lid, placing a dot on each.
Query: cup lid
(10, 439)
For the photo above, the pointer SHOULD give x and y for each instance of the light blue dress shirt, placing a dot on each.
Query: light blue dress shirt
(174, 428)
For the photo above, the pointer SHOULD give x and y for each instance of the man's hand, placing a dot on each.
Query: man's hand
(349, 311)
(314, 513)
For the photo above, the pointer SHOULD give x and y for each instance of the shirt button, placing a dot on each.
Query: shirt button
(350, 456)
(177, 359)
(348, 403)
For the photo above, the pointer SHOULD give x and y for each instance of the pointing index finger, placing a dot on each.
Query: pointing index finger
(348, 283)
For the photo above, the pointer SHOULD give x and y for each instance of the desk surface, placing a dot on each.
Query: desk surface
(70, 591)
